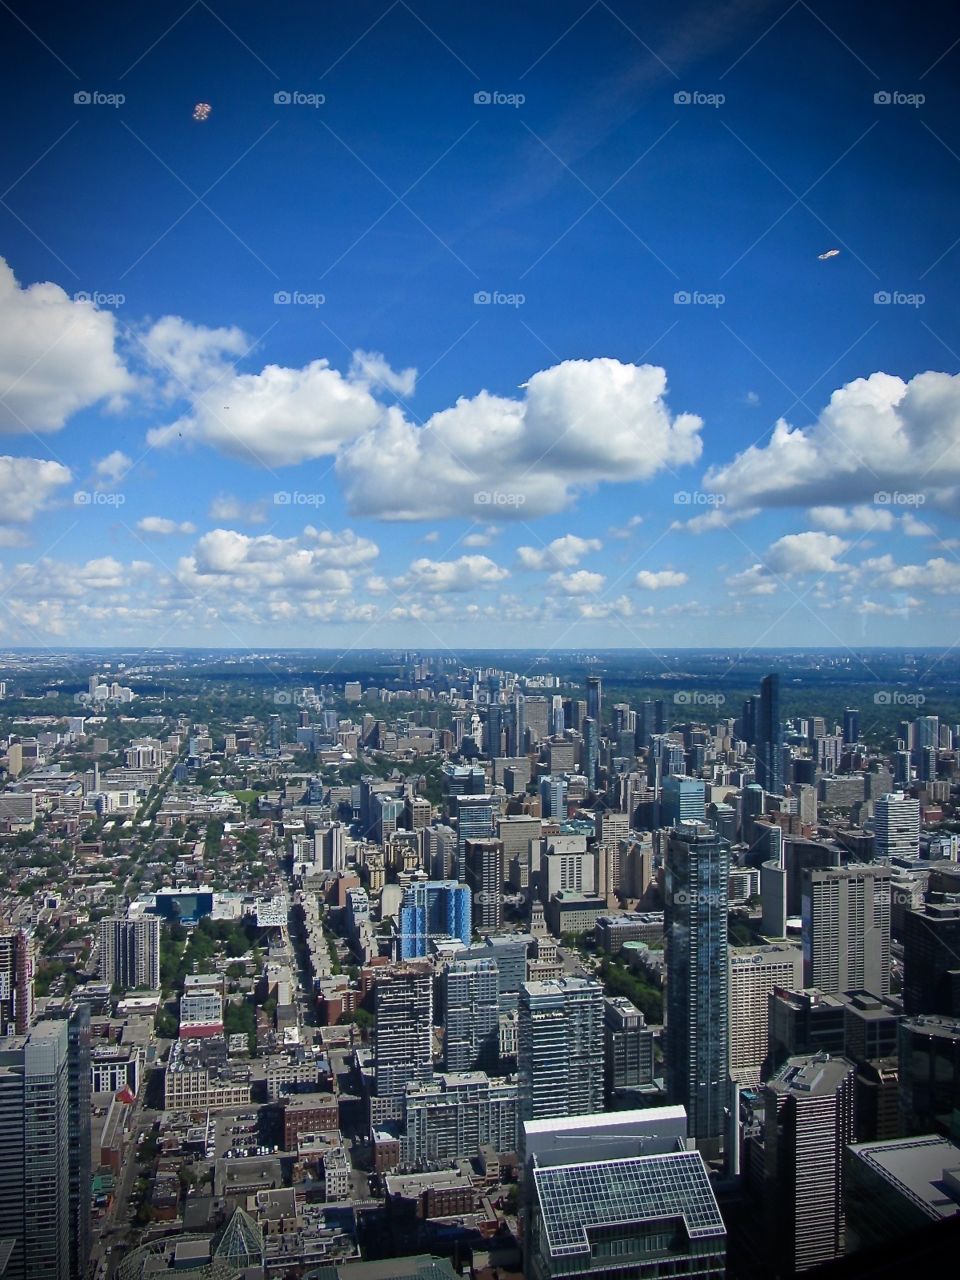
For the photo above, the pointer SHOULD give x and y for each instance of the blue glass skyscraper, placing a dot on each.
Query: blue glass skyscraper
(431, 909)
(770, 737)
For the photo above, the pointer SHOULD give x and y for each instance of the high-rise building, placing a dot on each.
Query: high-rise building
(79, 1128)
(17, 965)
(471, 1015)
(484, 868)
(682, 799)
(769, 747)
(754, 973)
(591, 750)
(851, 726)
(553, 796)
(808, 1122)
(130, 952)
(457, 1114)
(518, 727)
(627, 1052)
(695, 933)
(433, 909)
(929, 1058)
(35, 1152)
(931, 959)
(560, 1048)
(403, 1040)
(476, 818)
(896, 826)
(595, 700)
(846, 929)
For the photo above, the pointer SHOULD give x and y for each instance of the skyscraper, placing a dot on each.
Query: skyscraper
(896, 826)
(931, 959)
(484, 866)
(682, 799)
(754, 973)
(518, 729)
(851, 726)
(476, 817)
(79, 1137)
(553, 796)
(769, 747)
(471, 1015)
(130, 951)
(431, 909)
(695, 932)
(591, 750)
(560, 1048)
(846, 929)
(35, 1152)
(403, 1042)
(595, 700)
(17, 963)
(627, 1052)
(808, 1123)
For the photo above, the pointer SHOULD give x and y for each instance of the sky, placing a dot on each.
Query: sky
(555, 325)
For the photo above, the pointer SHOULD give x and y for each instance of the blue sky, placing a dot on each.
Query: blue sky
(251, 391)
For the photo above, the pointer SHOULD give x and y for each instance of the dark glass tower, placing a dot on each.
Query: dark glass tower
(695, 928)
(770, 737)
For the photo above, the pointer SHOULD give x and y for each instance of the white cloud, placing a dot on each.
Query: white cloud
(315, 563)
(27, 486)
(622, 607)
(809, 552)
(580, 423)
(441, 576)
(877, 435)
(755, 581)
(624, 531)
(939, 575)
(481, 537)
(562, 553)
(580, 583)
(914, 528)
(863, 517)
(651, 581)
(225, 507)
(716, 518)
(57, 356)
(190, 357)
(112, 469)
(162, 526)
(369, 368)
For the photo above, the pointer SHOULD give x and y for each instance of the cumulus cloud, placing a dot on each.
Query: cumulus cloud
(877, 435)
(863, 517)
(648, 580)
(27, 485)
(57, 356)
(441, 576)
(809, 552)
(561, 553)
(579, 423)
(189, 357)
(716, 518)
(939, 575)
(227, 508)
(316, 562)
(370, 368)
(162, 526)
(580, 583)
(480, 537)
(624, 531)
(111, 469)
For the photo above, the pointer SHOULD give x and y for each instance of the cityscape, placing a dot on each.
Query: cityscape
(479, 640)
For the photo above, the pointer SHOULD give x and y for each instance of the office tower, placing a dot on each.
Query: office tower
(17, 966)
(896, 826)
(808, 1110)
(773, 899)
(828, 751)
(476, 816)
(403, 1037)
(591, 750)
(79, 1137)
(509, 952)
(35, 1152)
(560, 1048)
(803, 1023)
(897, 1188)
(931, 959)
(755, 972)
(595, 699)
(929, 1058)
(130, 952)
(748, 721)
(557, 719)
(646, 724)
(927, 732)
(518, 728)
(484, 867)
(927, 764)
(682, 799)
(769, 747)
(440, 851)
(463, 780)
(627, 1053)
(644, 1217)
(851, 726)
(471, 1015)
(800, 856)
(752, 808)
(902, 770)
(433, 909)
(553, 796)
(275, 730)
(494, 731)
(846, 929)
(695, 934)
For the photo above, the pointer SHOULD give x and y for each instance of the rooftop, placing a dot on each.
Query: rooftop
(925, 1170)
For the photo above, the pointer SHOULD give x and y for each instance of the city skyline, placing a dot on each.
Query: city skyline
(425, 336)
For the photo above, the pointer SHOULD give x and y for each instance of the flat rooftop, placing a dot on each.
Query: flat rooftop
(925, 1170)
